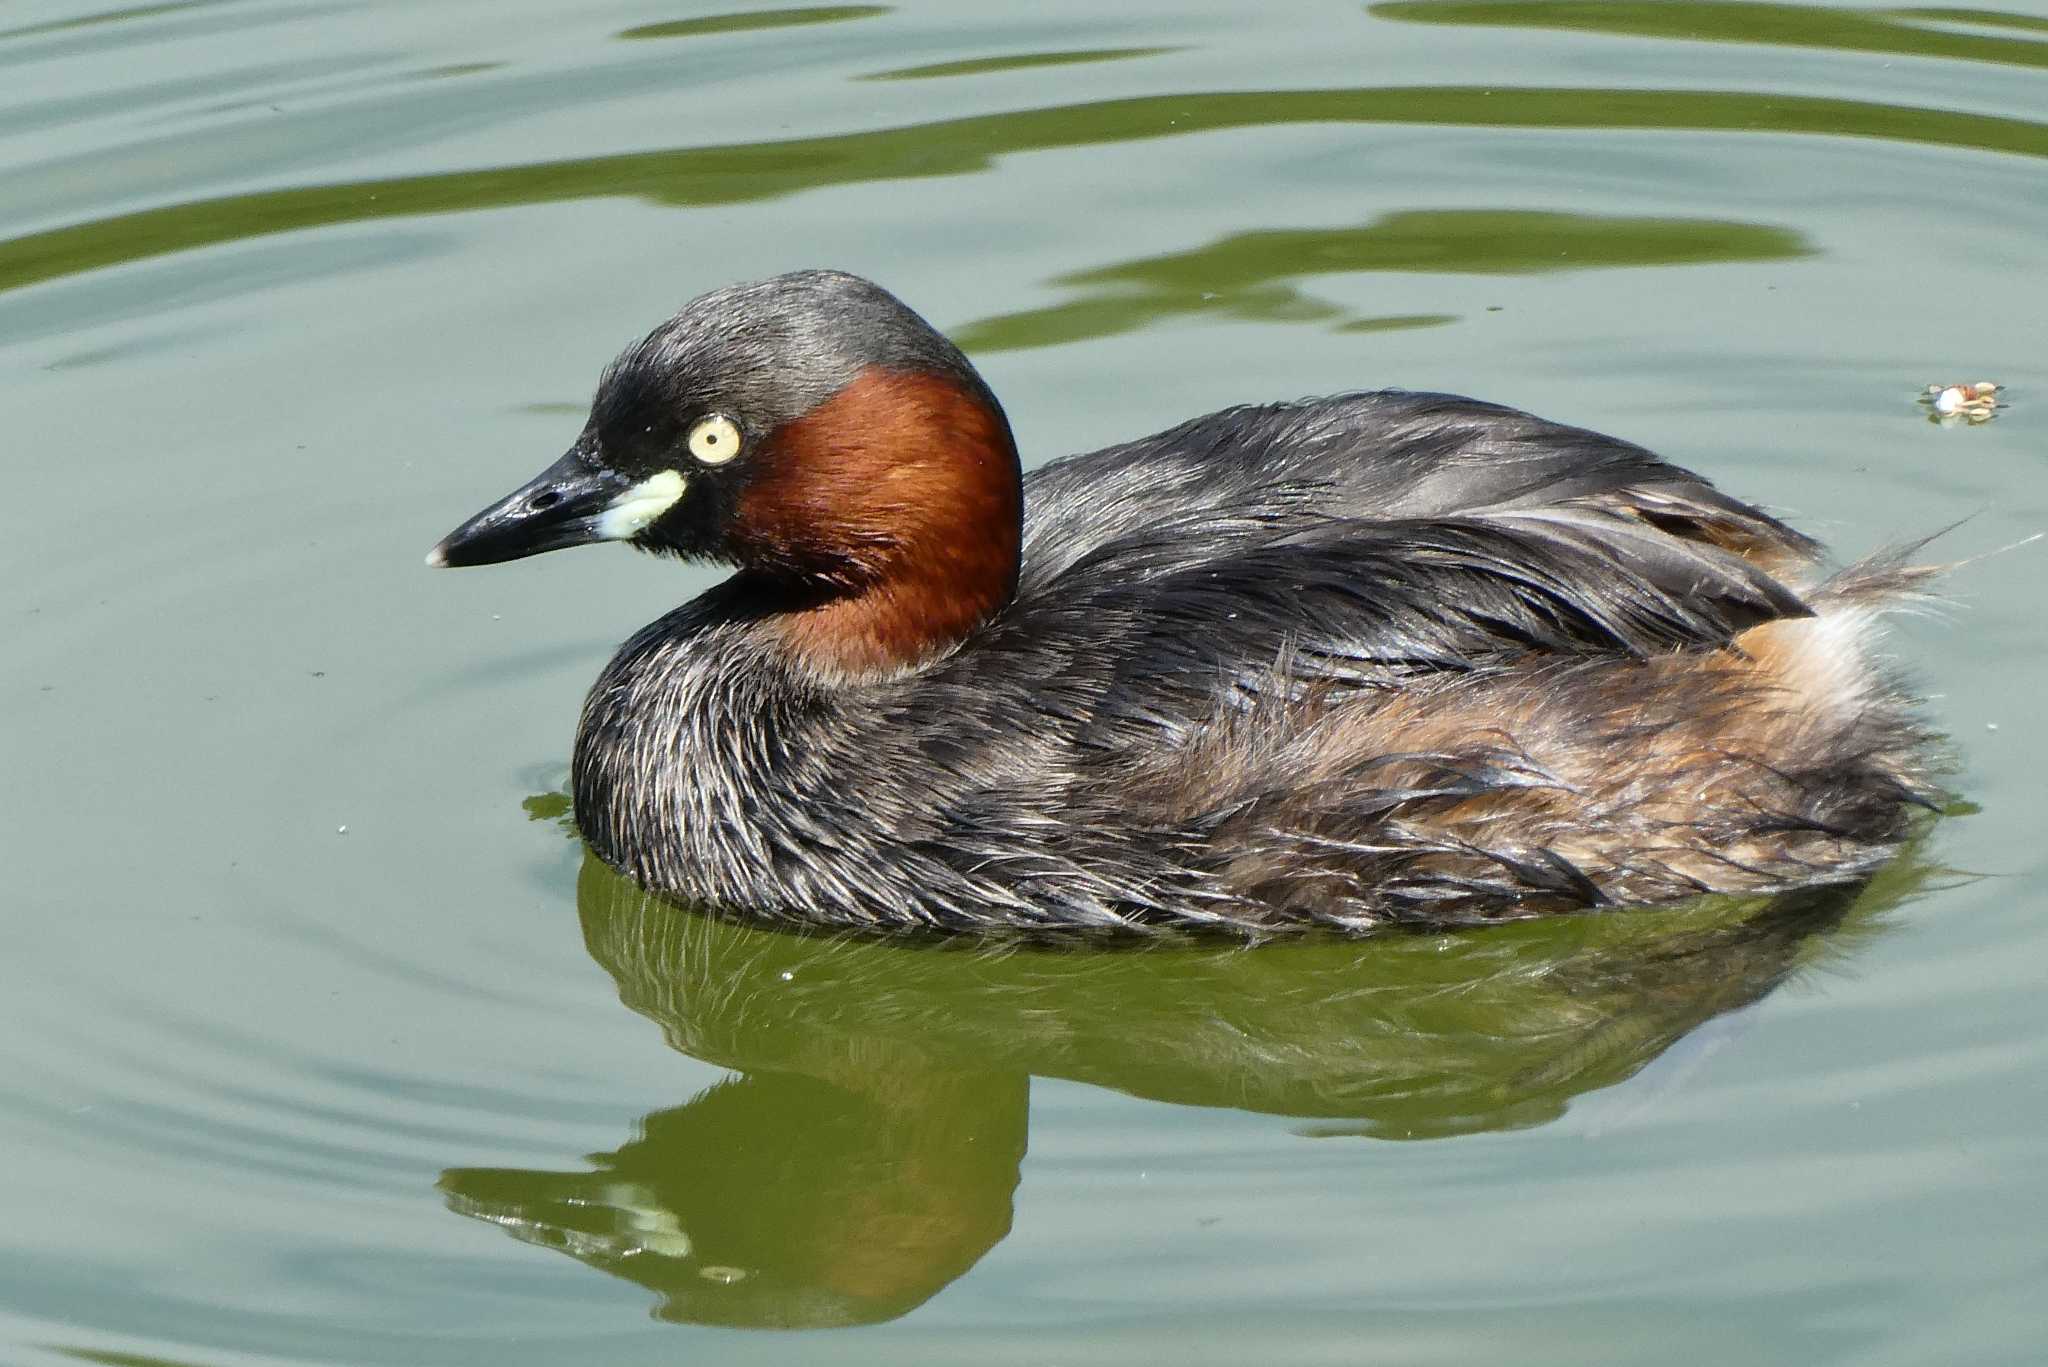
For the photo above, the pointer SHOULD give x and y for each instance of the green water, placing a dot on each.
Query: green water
(326, 1045)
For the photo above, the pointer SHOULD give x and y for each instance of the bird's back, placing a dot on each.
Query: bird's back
(1397, 656)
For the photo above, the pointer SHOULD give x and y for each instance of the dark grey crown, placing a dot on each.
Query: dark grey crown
(769, 351)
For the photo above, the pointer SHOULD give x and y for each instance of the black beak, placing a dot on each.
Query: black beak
(563, 505)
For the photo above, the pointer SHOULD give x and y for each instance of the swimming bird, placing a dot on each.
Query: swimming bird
(1377, 658)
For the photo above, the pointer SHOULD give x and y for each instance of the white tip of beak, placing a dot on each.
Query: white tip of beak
(436, 559)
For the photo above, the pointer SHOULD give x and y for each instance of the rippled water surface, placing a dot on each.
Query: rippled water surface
(324, 1043)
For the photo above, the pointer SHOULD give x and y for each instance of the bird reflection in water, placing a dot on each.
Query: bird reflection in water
(867, 1153)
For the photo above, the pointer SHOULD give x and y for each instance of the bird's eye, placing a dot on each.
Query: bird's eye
(714, 440)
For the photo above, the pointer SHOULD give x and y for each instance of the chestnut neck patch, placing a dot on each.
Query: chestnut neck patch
(892, 513)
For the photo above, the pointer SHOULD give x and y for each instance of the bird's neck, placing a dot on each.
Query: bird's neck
(884, 526)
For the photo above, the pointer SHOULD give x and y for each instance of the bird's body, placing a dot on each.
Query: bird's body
(1378, 658)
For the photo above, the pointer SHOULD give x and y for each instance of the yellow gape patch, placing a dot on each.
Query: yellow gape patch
(633, 510)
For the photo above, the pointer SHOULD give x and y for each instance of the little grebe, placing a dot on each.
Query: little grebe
(1381, 657)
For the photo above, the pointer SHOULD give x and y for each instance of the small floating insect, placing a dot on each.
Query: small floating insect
(1949, 404)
